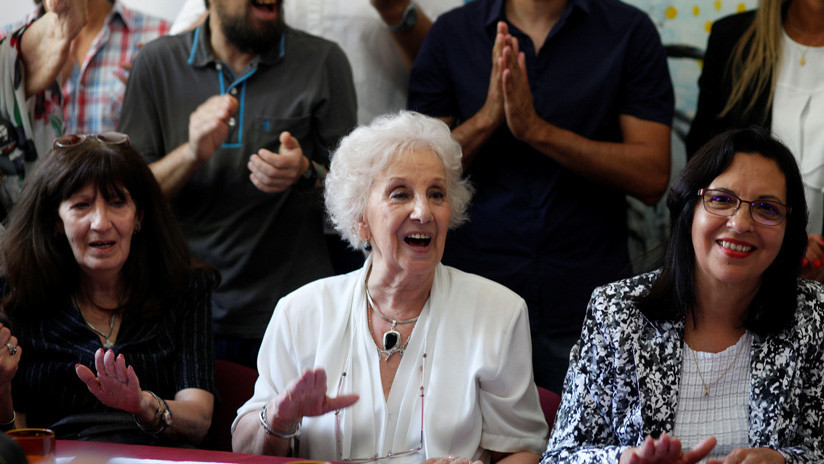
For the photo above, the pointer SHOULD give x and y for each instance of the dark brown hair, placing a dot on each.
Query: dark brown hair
(37, 260)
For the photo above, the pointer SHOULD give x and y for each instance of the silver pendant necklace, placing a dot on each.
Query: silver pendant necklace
(108, 343)
(391, 338)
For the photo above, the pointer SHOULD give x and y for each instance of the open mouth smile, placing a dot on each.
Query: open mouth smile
(735, 246)
(418, 240)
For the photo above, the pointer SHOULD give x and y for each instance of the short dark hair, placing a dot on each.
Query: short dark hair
(37, 260)
(672, 296)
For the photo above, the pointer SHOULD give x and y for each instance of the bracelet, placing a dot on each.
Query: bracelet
(10, 424)
(163, 417)
(143, 426)
(264, 422)
(166, 416)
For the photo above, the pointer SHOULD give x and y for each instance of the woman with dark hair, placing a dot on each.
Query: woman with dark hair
(722, 347)
(766, 67)
(97, 274)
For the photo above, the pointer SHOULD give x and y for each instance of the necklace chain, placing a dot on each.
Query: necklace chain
(817, 42)
(391, 338)
(108, 343)
(701, 376)
(385, 317)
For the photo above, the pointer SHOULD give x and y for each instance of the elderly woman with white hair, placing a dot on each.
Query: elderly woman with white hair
(404, 360)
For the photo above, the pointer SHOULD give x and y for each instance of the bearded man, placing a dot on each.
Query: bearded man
(236, 119)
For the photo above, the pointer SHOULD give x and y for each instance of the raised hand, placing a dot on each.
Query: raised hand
(115, 384)
(305, 396)
(71, 16)
(493, 107)
(209, 125)
(519, 106)
(275, 172)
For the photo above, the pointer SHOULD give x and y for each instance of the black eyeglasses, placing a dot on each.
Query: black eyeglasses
(70, 140)
(723, 203)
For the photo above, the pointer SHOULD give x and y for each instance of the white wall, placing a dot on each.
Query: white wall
(14, 10)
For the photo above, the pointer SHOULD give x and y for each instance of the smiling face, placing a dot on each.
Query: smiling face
(407, 214)
(99, 231)
(737, 250)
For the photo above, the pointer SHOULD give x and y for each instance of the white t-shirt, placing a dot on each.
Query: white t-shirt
(380, 75)
(479, 392)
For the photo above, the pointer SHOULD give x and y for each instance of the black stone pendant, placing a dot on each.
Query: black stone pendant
(391, 339)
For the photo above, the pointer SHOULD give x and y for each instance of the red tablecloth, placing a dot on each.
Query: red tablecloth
(68, 448)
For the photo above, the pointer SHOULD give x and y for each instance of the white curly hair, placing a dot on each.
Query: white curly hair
(369, 149)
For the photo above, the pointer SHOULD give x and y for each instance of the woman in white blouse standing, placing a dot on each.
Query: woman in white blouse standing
(766, 67)
(404, 360)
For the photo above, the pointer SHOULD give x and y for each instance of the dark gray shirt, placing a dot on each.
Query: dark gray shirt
(265, 245)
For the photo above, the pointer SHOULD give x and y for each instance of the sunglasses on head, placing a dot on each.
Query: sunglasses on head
(70, 140)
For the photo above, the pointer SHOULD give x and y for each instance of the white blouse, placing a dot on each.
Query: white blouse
(479, 393)
(798, 119)
(724, 412)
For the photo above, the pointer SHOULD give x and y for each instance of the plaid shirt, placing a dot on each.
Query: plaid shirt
(93, 94)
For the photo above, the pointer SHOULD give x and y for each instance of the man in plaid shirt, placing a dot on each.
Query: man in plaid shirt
(93, 80)
(30, 116)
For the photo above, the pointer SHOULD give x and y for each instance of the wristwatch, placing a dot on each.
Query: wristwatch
(408, 20)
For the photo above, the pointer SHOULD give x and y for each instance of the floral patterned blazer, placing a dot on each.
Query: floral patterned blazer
(624, 373)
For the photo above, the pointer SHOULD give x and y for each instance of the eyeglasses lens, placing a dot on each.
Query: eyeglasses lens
(69, 140)
(726, 204)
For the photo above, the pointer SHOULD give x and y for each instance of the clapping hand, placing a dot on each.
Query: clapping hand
(115, 385)
(305, 396)
(751, 456)
(10, 354)
(209, 125)
(71, 15)
(666, 450)
(812, 267)
(494, 104)
(519, 106)
(275, 172)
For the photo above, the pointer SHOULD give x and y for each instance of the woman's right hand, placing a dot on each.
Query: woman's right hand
(9, 358)
(666, 450)
(305, 396)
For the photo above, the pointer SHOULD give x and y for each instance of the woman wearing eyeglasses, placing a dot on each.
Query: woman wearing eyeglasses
(766, 66)
(404, 360)
(113, 320)
(719, 353)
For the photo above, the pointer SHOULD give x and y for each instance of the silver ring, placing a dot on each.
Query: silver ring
(12, 349)
(451, 458)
